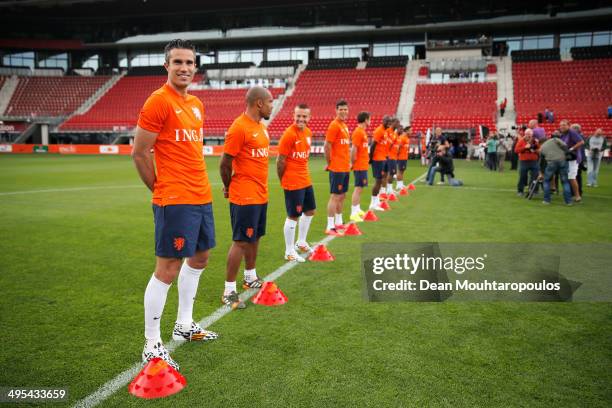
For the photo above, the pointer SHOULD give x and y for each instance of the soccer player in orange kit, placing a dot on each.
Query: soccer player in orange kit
(359, 163)
(292, 169)
(244, 173)
(171, 123)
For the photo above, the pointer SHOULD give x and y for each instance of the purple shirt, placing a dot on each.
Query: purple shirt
(540, 134)
(571, 138)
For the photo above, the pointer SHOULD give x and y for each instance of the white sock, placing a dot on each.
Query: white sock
(154, 302)
(187, 288)
(389, 188)
(289, 231)
(339, 219)
(229, 287)
(250, 275)
(373, 201)
(304, 226)
(355, 209)
(330, 223)
(400, 184)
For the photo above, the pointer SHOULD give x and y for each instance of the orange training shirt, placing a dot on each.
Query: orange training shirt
(338, 135)
(380, 137)
(360, 143)
(404, 144)
(295, 145)
(181, 176)
(249, 143)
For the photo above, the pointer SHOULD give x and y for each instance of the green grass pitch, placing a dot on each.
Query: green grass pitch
(75, 260)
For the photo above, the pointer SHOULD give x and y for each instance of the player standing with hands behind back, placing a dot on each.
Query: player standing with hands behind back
(171, 123)
(337, 155)
(244, 172)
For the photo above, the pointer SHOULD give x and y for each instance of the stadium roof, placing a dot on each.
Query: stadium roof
(108, 21)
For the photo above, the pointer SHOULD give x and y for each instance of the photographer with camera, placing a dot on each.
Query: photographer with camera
(436, 142)
(596, 145)
(443, 163)
(527, 150)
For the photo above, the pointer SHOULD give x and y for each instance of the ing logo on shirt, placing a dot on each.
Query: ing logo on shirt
(189, 135)
(260, 152)
(300, 155)
(344, 141)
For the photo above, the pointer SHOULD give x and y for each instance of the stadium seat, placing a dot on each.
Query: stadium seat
(50, 96)
(119, 107)
(455, 106)
(576, 90)
(376, 90)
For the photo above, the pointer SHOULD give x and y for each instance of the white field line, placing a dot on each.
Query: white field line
(124, 378)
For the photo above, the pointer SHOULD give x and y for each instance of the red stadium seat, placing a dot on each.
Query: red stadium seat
(376, 90)
(579, 91)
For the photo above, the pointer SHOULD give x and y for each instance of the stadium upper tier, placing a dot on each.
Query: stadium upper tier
(376, 90)
(579, 91)
(52, 95)
(454, 106)
(119, 107)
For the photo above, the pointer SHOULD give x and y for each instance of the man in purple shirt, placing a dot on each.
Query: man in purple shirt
(574, 142)
(538, 133)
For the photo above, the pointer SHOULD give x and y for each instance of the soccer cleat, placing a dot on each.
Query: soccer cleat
(356, 218)
(303, 247)
(340, 227)
(254, 284)
(377, 208)
(158, 350)
(195, 333)
(233, 301)
(294, 257)
(334, 232)
(361, 213)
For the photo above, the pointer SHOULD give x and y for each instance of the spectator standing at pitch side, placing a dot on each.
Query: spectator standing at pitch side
(553, 162)
(574, 142)
(596, 145)
(527, 150)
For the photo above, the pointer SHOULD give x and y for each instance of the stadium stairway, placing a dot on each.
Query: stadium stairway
(406, 101)
(505, 89)
(97, 95)
(278, 103)
(7, 91)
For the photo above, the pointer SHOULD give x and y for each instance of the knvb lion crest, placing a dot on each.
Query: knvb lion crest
(249, 232)
(298, 208)
(179, 243)
(196, 112)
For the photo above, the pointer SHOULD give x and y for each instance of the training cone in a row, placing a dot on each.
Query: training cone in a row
(352, 230)
(411, 187)
(270, 295)
(385, 206)
(370, 216)
(322, 254)
(392, 197)
(157, 380)
(403, 191)
(382, 196)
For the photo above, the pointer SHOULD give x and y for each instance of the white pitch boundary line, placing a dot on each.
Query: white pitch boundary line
(124, 378)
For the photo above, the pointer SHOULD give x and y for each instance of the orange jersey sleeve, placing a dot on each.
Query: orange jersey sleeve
(249, 143)
(360, 144)
(339, 137)
(393, 145)
(178, 121)
(380, 137)
(404, 144)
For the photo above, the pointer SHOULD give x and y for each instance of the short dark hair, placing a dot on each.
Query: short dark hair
(180, 44)
(407, 129)
(302, 106)
(340, 103)
(363, 116)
